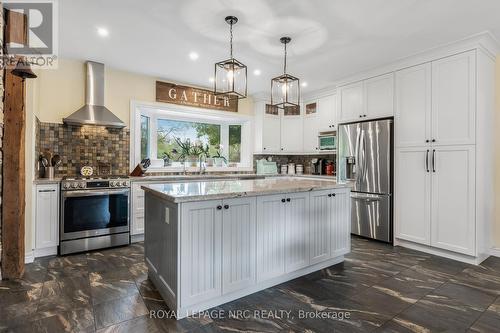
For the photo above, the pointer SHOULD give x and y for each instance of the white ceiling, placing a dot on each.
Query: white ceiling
(331, 39)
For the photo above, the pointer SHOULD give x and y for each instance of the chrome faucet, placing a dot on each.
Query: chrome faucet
(203, 168)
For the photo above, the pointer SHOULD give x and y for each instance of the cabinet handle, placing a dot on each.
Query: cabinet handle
(226, 206)
(264, 148)
(333, 194)
(427, 160)
(427, 141)
(46, 190)
(219, 207)
(329, 195)
(283, 200)
(281, 148)
(364, 115)
(434, 160)
(288, 199)
(433, 140)
(360, 116)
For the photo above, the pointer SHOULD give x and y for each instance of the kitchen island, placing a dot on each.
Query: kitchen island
(211, 242)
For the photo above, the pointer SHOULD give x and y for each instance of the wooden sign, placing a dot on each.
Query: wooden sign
(202, 98)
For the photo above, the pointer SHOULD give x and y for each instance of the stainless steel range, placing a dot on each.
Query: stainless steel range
(94, 213)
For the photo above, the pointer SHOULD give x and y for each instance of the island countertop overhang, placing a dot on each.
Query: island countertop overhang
(187, 191)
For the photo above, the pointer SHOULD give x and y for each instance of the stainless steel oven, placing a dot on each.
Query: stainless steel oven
(94, 214)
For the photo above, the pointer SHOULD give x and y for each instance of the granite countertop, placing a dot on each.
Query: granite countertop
(55, 180)
(224, 189)
(196, 176)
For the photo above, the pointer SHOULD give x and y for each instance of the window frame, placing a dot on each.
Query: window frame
(157, 111)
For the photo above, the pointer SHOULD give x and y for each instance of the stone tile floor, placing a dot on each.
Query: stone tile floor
(381, 288)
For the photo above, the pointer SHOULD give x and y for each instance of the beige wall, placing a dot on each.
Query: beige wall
(62, 91)
(56, 94)
(496, 229)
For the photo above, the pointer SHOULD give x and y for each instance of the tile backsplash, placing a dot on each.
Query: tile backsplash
(83, 145)
(305, 160)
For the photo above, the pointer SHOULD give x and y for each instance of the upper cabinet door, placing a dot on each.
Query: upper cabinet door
(311, 125)
(291, 134)
(379, 96)
(454, 99)
(351, 106)
(328, 113)
(271, 134)
(413, 106)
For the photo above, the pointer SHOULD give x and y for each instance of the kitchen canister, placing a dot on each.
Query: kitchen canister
(284, 169)
(299, 169)
(291, 168)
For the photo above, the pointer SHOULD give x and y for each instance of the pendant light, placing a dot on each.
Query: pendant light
(285, 89)
(231, 75)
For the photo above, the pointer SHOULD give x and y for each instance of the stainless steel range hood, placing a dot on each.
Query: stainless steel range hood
(94, 112)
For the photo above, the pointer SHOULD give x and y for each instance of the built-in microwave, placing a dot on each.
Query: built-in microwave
(327, 140)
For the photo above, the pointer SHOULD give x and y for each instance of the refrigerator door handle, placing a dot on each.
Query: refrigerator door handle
(361, 153)
(357, 156)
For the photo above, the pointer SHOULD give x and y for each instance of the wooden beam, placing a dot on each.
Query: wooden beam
(13, 249)
(13, 192)
(15, 28)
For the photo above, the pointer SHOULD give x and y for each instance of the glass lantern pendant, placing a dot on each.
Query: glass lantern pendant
(231, 75)
(285, 89)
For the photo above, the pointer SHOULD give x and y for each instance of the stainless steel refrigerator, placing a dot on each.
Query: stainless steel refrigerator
(365, 157)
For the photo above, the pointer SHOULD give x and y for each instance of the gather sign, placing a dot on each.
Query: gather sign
(167, 92)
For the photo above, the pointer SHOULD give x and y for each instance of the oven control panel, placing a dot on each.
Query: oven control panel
(82, 184)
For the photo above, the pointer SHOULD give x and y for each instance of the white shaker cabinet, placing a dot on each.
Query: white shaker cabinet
(379, 96)
(368, 99)
(453, 99)
(311, 128)
(296, 231)
(137, 211)
(453, 198)
(320, 226)
(340, 223)
(270, 236)
(327, 113)
(46, 219)
(238, 243)
(271, 134)
(412, 194)
(351, 103)
(200, 241)
(413, 106)
(291, 134)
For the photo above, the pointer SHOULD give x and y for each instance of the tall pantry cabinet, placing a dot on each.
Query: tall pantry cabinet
(443, 155)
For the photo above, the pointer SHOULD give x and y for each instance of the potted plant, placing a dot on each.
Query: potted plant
(191, 153)
(219, 160)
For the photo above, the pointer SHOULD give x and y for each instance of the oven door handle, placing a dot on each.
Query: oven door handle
(91, 193)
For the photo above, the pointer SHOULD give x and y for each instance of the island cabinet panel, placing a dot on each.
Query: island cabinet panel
(320, 226)
(270, 236)
(340, 223)
(238, 243)
(296, 231)
(201, 231)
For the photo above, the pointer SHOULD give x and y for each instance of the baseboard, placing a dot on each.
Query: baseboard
(440, 252)
(29, 257)
(136, 238)
(495, 251)
(47, 251)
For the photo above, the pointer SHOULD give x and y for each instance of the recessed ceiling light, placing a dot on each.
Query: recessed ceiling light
(103, 32)
(211, 79)
(193, 56)
(256, 72)
(304, 84)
